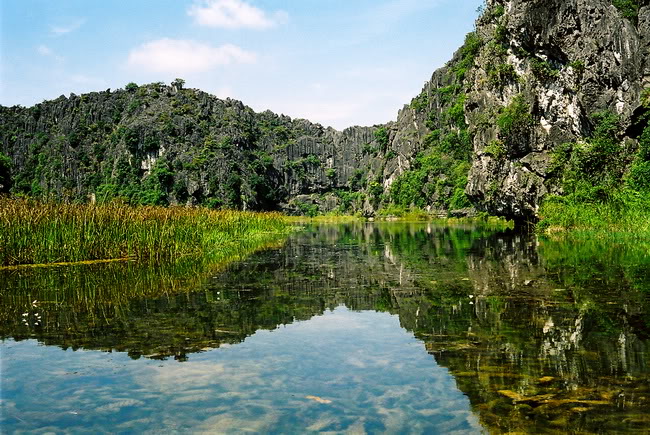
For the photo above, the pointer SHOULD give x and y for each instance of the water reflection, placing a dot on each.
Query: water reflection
(541, 336)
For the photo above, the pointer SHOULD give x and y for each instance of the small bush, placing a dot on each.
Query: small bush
(420, 103)
(639, 176)
(542, 70)
(495, 149)
(578, 66)
(628, 8)
(515, 123)
(501, 75)
(381, 136)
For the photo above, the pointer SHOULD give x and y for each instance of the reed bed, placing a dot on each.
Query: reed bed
(35, 232)
(625, 216)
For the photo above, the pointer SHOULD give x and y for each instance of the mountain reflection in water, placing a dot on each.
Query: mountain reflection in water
(540, 336)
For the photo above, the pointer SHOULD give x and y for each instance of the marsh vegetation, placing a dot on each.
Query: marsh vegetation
(35, 232)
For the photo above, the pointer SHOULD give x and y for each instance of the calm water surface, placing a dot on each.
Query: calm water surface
(363, 328)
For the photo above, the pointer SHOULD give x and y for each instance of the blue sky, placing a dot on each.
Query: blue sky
(336, 62)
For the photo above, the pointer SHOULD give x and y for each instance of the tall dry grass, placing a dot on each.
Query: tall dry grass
(34, 232)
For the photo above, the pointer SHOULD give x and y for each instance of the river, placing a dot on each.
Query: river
(356, 328)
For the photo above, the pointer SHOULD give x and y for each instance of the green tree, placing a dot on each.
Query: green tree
(381, 136)
(178, 84)
(131, 87)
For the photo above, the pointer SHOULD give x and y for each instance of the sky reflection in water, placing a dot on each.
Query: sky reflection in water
(355, 328)
(377, 376)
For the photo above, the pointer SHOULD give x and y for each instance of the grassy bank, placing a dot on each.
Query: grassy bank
(34, 232)
(605, 180)
(625, 214)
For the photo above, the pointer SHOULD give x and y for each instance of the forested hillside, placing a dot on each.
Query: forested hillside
(546, 99)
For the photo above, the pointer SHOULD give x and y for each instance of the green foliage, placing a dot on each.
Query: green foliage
(459, 199)
(501, 34)
(468, 52)
(349, 199)
(491, 13)
(543, 70)
(178, 84)
(375, 190)
(133, 106)
(330, 173)
(226, 143)
(501, 75)
(559, 158)
(645, 98)
(213, 203)
(624, 212)
(313, 160)
(432, 138)
(303, 165)
(307, 209)
(457, 144)
(421, 102)
(369, 149)
(404, 212)
(446, 94)
(131, 138)
(438, 176)
(381, 136)
(639, 175)
(578, 66)
(455, 115)
(644, 144)
(598, 193)
(606, 126)
(628, 8)
(357, 181)
(131, 87)
(434, 174)
(37, 232)
(515, 122)
(495, 149)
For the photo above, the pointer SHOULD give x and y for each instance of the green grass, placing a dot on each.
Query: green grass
(606, 187)
(33, 232)
(624, 214)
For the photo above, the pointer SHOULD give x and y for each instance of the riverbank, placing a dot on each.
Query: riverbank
(35, 232)
(624, 214)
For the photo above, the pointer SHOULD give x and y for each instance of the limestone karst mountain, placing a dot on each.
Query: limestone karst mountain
(538, 87)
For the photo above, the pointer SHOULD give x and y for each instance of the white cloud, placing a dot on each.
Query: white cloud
(82, 79)
(234, 14)
(185, 56)
(46, 51)
(336, 108)
(71, 27)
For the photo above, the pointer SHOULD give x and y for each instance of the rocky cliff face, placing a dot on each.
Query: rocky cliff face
(484, 132)
(167, 145)
(544, 70)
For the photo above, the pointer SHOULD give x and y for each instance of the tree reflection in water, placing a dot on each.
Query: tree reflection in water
(540, 335)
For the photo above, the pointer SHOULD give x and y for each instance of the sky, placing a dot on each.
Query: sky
(336, 62)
